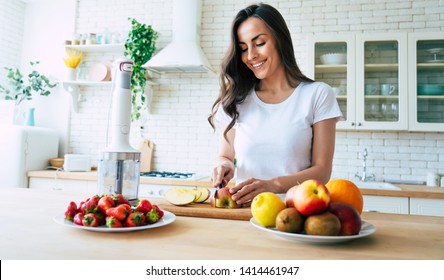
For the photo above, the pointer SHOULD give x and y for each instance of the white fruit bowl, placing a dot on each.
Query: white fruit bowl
(333, 58)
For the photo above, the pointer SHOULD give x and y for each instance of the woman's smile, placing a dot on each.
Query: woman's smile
(258, 65)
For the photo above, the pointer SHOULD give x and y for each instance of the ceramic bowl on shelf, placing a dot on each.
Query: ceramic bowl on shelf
(430, 89)
(333, 58)
(56, 162)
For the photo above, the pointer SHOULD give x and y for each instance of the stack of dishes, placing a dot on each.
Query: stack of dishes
(431, 89)
(100, 72)
(333, 58)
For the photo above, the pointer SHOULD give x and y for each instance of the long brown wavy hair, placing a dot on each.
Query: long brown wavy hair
(236, 79)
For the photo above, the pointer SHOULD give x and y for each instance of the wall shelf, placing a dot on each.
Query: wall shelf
(381, 97)
(98, 48)
(383, 67)
(73, 87)
(334, 68)
(430, 66)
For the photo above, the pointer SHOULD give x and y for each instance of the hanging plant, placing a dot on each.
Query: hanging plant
(139, 46)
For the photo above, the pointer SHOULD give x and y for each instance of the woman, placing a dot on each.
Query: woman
(278, 124)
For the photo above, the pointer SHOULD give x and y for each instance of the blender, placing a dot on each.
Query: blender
(119, 163)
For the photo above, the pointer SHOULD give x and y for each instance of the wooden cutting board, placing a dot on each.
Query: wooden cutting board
(205, 210)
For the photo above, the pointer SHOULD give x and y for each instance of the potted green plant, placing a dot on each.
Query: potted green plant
(139, 46)
(18, 89)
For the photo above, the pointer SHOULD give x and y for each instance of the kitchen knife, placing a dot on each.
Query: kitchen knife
(218, 188)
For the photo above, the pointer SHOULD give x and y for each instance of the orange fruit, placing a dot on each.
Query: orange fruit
(347, 192)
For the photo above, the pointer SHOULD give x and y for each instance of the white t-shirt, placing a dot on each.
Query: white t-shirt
(276, 139)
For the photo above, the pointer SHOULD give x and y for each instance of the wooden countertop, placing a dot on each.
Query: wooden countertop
(92, 176)
(27, 231)
(419, 191)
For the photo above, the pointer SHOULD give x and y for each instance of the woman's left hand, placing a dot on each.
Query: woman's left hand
(244, 192)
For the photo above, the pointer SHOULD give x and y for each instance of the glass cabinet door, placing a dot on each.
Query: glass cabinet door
(382, 90)
(333, 63)
(427, 82)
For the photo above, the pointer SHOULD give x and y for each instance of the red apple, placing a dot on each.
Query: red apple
(289, 197)
(348, 216)
(311, 197)
(223, 199)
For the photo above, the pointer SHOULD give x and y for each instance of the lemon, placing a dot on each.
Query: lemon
(265, 207)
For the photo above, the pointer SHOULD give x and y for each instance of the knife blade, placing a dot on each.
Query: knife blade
(218, 188)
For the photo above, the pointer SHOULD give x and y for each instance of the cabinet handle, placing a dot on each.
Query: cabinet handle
(359, 124)
(352, 124)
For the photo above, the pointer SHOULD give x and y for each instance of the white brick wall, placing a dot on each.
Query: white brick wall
(180, 104)
(11, 33)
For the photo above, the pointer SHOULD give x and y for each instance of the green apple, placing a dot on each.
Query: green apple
(204, 194)
(222, 199)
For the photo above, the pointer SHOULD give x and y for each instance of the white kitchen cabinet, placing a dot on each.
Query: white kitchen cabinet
(426, 206)
(86, 187)
(426, 81)
(339, 76)
(373, 81)
(152, 190)
(386, 204)
(381, 79)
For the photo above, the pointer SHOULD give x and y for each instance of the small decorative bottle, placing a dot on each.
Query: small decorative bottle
(30, 117)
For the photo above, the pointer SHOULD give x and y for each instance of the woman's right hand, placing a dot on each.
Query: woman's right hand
(223, 173)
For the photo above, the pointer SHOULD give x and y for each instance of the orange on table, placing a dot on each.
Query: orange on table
(345, 191)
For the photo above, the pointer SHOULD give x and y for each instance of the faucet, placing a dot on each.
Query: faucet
(364, 176)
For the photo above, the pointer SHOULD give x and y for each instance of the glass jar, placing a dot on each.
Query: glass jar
(75, 39)
(83, 38)
(90, 39)
(116, 38)
(82, 72)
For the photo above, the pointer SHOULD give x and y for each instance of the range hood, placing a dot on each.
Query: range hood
(184, 53)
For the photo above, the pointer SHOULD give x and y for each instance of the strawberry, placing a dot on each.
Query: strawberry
(90, 220)
(120, 199)
(135, 219)
(78, 219)
(105, 203)
(127, 207)
(119, 212)
(159, 211)
(101, 217)
(71, 211)
(112, 222)
(153, 216)
(144, 206)
(89, 205)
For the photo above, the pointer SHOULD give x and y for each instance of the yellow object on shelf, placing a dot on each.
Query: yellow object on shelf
(74, 58)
